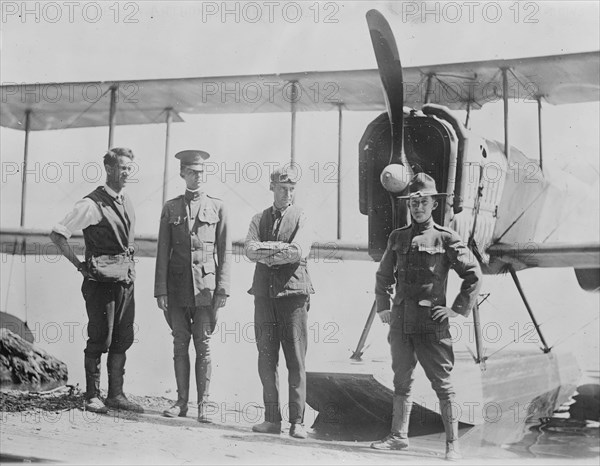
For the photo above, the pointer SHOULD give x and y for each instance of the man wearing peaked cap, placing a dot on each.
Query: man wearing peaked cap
(279, 242)
(192, 159)
(192, 277)
(414, 268)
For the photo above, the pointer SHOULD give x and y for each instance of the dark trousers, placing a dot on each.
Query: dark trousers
(282, 322)
(434, 353)
(197, 323)
(111, 312)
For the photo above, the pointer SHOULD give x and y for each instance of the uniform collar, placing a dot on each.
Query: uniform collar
(421, 227)
(192, 195)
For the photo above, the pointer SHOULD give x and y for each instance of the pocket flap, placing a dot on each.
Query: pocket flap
(208, 267)
(208, 216)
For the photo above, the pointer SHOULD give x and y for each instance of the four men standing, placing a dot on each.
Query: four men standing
(192, 277)
(192, 281)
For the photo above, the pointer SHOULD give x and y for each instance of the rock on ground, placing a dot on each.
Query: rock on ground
(26, 367)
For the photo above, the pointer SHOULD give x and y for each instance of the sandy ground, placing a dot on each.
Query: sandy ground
(78, 437)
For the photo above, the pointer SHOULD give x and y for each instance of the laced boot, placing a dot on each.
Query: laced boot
(116, 398)
(203, 373)
(182, 377)
(397, 439)
(93, 402)
(450, 422)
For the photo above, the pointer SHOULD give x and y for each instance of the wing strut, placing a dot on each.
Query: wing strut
(513, 274)
(112, 116)
(539, 106)
(339, 171)
(168, 121)
(505, 100)
(25, 156)
(294, 99)
(358, 352)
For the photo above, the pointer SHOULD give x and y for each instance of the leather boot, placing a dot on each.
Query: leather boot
(182, 377)
(450, 422)
(203, 373)
(93, 402)
(397, 439)
(116, 398)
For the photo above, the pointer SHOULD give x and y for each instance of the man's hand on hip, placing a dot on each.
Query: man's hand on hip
(442, 313)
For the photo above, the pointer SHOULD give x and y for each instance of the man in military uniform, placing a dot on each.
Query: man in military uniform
(417, 261)
(279, 242)
(107, 219)
(192, 277)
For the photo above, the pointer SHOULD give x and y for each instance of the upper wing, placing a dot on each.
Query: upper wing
(558, 79)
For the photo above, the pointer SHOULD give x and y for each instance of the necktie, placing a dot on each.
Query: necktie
(276, 223)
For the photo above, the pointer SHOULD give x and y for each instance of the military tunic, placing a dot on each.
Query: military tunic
(417, 260)
(192, 264)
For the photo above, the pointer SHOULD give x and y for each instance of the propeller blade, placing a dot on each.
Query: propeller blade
(390, 72)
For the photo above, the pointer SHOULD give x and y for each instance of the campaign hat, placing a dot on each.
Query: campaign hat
(421, 185)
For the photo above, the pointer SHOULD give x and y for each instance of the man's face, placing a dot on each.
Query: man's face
(283, 194)
(193, 178)
(118, 174)
(421, 208)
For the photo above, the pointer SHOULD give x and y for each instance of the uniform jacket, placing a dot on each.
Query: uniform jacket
(193, 262)
(283, 280)
(417, 260)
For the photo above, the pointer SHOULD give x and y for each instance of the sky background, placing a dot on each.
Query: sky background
(98, 41)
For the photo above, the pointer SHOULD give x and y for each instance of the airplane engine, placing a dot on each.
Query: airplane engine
(431, 145)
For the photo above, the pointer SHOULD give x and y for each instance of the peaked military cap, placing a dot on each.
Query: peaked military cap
(285, 175)
(421, 185)
(193, 159)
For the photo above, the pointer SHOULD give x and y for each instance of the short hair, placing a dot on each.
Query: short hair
(111, 157)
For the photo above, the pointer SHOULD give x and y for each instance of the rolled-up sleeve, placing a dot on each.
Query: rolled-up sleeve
(85, 213)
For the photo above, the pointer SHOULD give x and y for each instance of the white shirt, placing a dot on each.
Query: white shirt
(85, 213)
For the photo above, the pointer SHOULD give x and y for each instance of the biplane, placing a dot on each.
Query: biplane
(507, 218)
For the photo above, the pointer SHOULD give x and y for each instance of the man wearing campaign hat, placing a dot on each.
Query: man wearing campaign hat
(192, 277)
(415, 266)
(279, 242)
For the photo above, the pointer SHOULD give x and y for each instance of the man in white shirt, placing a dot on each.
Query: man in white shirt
(107, 219)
